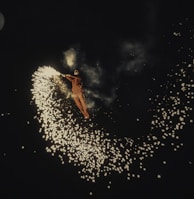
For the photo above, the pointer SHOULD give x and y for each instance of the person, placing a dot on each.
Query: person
(77, 92)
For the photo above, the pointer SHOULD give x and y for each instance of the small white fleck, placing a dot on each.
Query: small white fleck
(158, 176)
(91, 193)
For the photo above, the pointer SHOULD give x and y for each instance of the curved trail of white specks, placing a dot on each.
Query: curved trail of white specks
(91, 149)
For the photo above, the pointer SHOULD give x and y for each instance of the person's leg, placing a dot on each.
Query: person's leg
(78, 104)
(84, 107)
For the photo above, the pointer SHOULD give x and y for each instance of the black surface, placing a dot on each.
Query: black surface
(35, 33)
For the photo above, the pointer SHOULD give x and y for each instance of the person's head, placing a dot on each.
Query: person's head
(76, 72)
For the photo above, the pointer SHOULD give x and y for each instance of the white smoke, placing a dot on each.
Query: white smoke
(97, 86)
(94, 82)
(70, 58)
(133, 57)
(94, 74)
(97, 95)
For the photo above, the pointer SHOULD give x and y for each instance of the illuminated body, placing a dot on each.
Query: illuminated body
(77, 92)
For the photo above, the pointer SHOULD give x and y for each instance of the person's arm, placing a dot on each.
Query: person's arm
(67, 76)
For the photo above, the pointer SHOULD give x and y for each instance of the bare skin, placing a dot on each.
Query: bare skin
(77, 92)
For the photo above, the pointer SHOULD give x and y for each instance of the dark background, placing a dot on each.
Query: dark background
(36, 33)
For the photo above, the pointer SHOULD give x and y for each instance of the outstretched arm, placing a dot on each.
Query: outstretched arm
(67, 76)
